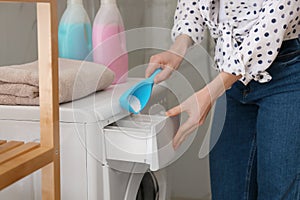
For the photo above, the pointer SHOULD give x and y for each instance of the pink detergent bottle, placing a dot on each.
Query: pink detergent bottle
(109, 41)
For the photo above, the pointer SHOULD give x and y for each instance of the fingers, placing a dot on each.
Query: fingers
(153, 65)
(174, 111)
(182, 139)
(197, 111)
(182, 132)
(163, 75)
(160, 61)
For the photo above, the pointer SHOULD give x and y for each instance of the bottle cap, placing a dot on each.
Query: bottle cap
(108, 1)
(75, 2)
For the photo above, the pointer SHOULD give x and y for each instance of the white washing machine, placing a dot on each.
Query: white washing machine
(105, 151)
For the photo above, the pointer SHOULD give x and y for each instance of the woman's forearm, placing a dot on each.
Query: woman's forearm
(181, 45)
(220, 84)
(217, 86)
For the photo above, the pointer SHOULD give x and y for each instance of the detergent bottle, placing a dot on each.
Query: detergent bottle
(75, 32)
(109, 41)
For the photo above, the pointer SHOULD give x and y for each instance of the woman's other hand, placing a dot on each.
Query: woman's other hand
(198, 105)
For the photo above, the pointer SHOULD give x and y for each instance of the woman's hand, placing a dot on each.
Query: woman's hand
(169, 60)
(198, 105)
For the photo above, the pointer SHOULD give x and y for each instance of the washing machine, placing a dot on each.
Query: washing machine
(106, 153)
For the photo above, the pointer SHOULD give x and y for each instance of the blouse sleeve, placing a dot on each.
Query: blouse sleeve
(277, 19)
(187, 20)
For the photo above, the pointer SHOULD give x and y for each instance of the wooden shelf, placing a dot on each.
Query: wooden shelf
(17, 161)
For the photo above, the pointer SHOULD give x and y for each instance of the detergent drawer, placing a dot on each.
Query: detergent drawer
(142, 139)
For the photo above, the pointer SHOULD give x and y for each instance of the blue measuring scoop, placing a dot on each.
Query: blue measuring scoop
(136, 98)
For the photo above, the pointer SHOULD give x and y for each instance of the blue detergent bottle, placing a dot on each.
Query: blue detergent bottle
(75, 32)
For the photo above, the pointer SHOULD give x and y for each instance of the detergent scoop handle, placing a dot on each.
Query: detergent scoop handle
(151, 78)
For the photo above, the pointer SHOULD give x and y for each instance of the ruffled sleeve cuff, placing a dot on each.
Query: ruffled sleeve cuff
(228, 59)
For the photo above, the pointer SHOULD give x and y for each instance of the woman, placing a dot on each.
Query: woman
(258, 55)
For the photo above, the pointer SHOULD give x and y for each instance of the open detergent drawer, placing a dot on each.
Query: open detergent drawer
(142, 139)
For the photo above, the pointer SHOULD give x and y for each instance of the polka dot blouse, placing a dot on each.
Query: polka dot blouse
(248, 41)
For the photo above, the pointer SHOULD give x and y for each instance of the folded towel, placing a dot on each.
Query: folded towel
(14, 100)
(77, 79)
(19, 90)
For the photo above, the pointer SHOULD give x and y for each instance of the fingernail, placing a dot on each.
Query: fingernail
(174, 146)
(170, 115)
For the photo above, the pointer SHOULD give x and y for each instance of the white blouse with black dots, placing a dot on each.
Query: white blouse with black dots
(248, 38)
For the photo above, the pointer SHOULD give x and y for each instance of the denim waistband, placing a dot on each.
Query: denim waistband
(288, 47)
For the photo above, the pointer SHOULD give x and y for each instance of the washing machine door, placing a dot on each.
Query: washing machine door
(141, 187)
(149, 189)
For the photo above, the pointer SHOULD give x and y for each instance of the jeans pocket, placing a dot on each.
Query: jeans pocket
(293, 61)
(289, 59)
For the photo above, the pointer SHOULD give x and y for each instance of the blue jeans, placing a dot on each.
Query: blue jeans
(257, 156)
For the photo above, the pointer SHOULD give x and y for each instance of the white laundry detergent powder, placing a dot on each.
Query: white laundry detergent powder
(135, 103)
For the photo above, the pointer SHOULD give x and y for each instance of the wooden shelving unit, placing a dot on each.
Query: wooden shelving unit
(19, 159)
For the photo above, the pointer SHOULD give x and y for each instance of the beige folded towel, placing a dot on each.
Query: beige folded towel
(77, 79)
